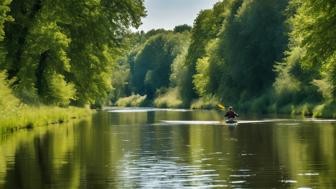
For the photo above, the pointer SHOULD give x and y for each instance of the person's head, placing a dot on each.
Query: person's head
(230, 108)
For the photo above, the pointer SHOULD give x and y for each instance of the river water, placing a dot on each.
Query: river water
(158, 148)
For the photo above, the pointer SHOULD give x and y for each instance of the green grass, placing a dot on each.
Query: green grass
(30, 117)
(15, 115)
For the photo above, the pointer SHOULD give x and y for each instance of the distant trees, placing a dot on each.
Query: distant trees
(152, 65)
(182, 28)
(262, 55)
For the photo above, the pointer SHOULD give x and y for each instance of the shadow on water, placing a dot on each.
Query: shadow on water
(138, 149)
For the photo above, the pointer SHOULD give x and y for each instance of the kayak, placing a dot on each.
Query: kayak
(231, 122)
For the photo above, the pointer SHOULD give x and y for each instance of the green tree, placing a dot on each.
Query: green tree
(151, 68)
(313, 31)
(182, 28)
(4, 17)
(59, 52)
(253, 39)
(207, 26)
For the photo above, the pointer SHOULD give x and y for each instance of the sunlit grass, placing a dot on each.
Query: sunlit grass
(16, 115)
(171, 99)
(29, 117)
(132, 101)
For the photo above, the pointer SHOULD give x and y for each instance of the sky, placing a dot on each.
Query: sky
(169, 13)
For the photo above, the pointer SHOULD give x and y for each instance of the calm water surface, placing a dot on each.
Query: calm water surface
(146, 148)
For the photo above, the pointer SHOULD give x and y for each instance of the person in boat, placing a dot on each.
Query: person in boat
(231, 115)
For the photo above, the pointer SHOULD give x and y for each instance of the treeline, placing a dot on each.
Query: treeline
(154, 68)
(63, 52)
(265, 56)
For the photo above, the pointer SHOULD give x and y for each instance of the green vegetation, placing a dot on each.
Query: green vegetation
(154, 68)
(169, 99)
(261, 56)
(205, 102)
(60, 54)
(132, 101)
(30, 117)
(16, 115)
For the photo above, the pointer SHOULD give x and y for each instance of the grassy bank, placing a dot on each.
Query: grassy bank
(30, 117)
(15, 115)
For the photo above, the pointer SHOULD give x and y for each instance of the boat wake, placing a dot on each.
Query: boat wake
(141, 110)
(284, 121)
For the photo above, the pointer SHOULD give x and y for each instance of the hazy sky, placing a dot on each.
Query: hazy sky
(169, 13)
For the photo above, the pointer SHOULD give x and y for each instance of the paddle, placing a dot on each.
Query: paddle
(220, 106)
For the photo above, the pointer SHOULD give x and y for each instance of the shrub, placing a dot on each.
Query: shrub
(206, 102)
(170, 99)
(132, 101)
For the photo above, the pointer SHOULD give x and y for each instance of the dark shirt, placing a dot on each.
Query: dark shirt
(231, 114)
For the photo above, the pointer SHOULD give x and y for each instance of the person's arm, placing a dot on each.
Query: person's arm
(236, 114)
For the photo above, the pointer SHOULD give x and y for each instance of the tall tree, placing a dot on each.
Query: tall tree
(65, 53)
(207, 26)
(250, 44)
(4, 17)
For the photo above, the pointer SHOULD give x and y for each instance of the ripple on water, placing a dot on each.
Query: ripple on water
(289, 181)
(153, 172)
(308, 174)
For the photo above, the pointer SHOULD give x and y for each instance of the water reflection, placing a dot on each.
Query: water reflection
(139, 150)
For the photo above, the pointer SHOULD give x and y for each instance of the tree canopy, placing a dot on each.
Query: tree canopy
(59, 53)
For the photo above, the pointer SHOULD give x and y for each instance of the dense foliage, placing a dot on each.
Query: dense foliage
(307, 74)
(57, 52)
(258, 55)
(155, 65)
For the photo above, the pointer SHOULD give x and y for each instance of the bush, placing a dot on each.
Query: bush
(170, 99)
(327, 110)
(16, 115)
(206, 102)
(8, 101)
(132, 101)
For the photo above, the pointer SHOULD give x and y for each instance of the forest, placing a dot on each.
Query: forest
(260, 56)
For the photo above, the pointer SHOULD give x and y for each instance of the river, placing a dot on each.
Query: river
(161, 148)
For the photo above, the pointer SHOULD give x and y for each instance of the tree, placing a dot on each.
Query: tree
(151, 67)
(65, 53)
(251, 42)
(182, 28)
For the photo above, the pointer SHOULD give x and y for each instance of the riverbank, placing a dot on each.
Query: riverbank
(315, 110)
(15, 115)
(30, 116)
